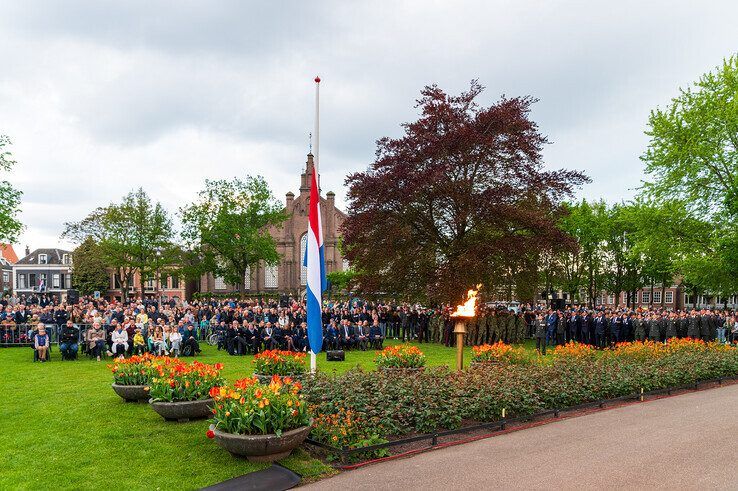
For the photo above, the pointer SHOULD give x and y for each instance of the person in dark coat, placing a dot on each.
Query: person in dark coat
(541, 328)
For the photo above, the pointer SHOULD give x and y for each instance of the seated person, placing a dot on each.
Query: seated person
(267, 337)
(68, 340)
(288, 335)
(231, 342)
(139, 344)
(300, 338)
(41, 342)
(175, 340)
(362, 335)
(375, 335)
(120, 341)
(253, 340)
(346, 335)
(95, 338)
(330, 336)
(277, 337)
(189, 339)
(241, 345)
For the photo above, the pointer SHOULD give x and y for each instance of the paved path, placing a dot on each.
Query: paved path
(684, 442)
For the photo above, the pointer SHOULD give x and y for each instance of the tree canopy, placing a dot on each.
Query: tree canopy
(228, 228)
(10, 197)
(460, 199)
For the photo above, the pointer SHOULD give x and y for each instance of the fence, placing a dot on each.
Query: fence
(22, 334)
(345, 452)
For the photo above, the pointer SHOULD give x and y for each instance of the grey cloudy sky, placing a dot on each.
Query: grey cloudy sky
(101, 97)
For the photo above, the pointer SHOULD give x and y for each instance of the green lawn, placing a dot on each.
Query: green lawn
(63, 427)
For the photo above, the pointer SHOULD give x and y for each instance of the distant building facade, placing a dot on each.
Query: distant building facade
(290, 276)
(8, 257)
(168, 286)
(43, 270)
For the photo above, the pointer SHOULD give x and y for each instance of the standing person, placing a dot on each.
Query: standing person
(693, 325)
(639, 331)
(671, 326)
(540, 333)
(601, 329)
(654, 331)
(41, 343)
(551, 321)
(720, 328)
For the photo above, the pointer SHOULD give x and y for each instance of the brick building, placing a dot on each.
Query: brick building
(8, 257)
(290, 276)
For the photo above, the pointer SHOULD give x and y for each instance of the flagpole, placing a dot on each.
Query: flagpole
(316, 163)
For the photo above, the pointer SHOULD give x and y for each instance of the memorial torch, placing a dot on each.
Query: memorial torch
(462, 313)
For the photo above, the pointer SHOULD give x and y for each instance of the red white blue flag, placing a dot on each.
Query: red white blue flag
(315, 262)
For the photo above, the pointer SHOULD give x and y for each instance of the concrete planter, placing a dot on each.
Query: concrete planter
(262, 448)
(132, 393)
(183, 410)
(265, 379)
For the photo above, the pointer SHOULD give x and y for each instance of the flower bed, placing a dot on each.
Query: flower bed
(347, 430)
(135, 370)
(179, 381)
(440, 399)
(263, 422)
(277, 362)
(498, 352)
(400, 356)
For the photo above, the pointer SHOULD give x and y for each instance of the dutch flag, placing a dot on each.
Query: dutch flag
(315, 262)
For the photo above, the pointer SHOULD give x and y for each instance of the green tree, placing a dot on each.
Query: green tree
(135, 235)
(693, 152)
(582, 267)
(89, 268)
(228, 227)
(10, 197)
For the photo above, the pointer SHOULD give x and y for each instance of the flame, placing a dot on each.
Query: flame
(467, 308)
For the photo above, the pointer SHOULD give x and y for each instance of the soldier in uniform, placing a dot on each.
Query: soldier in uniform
(638, 330)
(600, 328)
(654, 332)
(540, 333)
(693, 325)
(671, 326)
(705, 325)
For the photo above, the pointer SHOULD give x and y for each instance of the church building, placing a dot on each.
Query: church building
(290, 276)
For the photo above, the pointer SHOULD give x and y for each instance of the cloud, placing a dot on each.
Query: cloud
(103, 97)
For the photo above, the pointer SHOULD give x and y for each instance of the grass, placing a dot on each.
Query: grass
(63, 427)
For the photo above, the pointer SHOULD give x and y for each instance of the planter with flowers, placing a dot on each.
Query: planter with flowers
(276, 362)
(262, 422)
(131, 377)
(181, 391)
(402, 358)
(498, 353)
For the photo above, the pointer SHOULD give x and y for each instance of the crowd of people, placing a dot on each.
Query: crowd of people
(249, 326)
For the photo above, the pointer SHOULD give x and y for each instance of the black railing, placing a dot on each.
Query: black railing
(22, 334)
(345, 453)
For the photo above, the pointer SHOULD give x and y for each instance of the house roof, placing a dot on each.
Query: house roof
(8, 253)
(53, 256)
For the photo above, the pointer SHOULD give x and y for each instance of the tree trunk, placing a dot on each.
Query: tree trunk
(650, 300)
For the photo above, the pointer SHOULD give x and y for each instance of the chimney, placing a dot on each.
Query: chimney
(289, 201)
(28, 251)
(331, 198)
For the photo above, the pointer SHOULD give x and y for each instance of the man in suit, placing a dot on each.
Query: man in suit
(362, 335)
(601, 328)
(346, 335)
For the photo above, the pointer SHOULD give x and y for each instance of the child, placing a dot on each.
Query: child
(138, 342)
(175, 338)
(41, 343)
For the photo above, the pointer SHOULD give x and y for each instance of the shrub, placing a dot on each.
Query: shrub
(347, 429)
(179, 381)
(400, 356)
(252, 408)
(498, 352)
(574, 352)
(277, 362)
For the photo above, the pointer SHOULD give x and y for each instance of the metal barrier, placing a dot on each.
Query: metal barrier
(22, 334)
